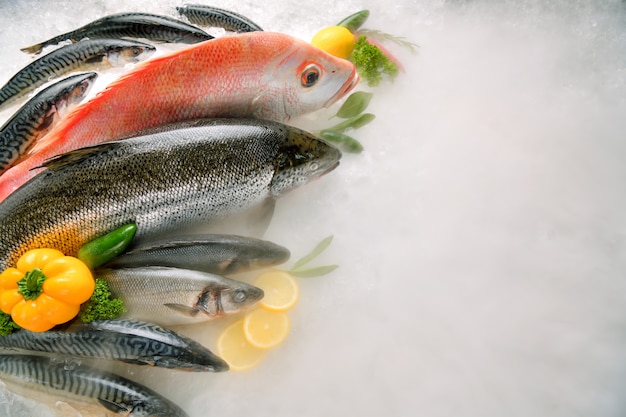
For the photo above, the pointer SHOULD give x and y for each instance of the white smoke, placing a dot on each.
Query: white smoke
(480, 236)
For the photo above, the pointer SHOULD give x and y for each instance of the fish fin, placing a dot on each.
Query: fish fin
(48, 119)
(261, 217)
(33, 49)
(113, 406)
(134, 361)
(78, 155)
(183, 309)
(95, 59)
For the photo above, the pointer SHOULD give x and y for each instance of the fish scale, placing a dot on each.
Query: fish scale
(85, 384)
(84, 54)
(175, 176)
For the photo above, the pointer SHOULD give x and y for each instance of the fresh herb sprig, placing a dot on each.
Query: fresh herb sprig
(299, 269)
(352, 111)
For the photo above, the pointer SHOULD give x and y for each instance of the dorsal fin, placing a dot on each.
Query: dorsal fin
(78, 155)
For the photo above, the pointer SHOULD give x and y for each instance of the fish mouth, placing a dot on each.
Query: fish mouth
(350, 83)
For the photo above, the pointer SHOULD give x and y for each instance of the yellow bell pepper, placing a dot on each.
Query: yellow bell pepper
(44, 289)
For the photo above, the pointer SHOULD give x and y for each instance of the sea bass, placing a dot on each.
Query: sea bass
(168, 178)
(217, 254)
(130, 25)
(129, 341)
(88, 54)
(85, 384)
(35, 118)
(172, 296)
(260, 74)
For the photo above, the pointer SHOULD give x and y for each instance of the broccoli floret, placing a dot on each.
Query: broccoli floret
(7, 325)
(101, 306)
(371, 62)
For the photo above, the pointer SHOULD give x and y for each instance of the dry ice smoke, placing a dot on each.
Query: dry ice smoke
(481, 235)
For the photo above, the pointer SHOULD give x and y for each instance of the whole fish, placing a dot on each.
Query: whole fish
(130, 341)
(217, 254)
(165, 179)
(85, 384)
(35, 118)
(172, 296)
(209, 16)
(130, 25)
(88, 54)
(261, 74)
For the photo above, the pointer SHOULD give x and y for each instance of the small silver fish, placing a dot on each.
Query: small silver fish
(87, 54)
(217, 254)
(166, 179)
(35, 118)
(129, 341)
(209, 16)
(172, 296)
(130, 25)
(84, 384)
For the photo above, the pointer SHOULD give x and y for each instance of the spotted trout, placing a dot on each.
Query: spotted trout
(168, 178)
(259, 74)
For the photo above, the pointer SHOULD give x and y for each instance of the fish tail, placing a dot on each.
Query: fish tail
(33, 49)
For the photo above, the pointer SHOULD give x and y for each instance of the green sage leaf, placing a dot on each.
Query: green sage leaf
(314, 253)
(354, 105)
(313, 272)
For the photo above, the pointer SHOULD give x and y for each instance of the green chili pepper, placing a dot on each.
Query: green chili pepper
(101, 250)
(355, 21)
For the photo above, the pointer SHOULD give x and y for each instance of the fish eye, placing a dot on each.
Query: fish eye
(239, 296)
(313, 166)
(136, 51)
(310, 76)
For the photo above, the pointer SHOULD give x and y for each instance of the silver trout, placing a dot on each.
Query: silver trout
(172, 296)
(87, 54)
(129, 341)
(85, 384)
(176, 176)
(35, 118)
(209, 16)
(130, 25)
(217, 254)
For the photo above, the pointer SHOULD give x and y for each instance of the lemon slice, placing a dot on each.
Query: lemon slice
(280, 289)
(265, 329)
(233, 347)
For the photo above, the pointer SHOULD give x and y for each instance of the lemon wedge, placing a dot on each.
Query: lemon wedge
(336, 40)
(280, 289)
(265, 329)
(234, 348)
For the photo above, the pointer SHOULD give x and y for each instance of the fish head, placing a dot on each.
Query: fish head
(78, 91)
(302, 79)
(236, 297)
(302, 158)
(129, 52)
